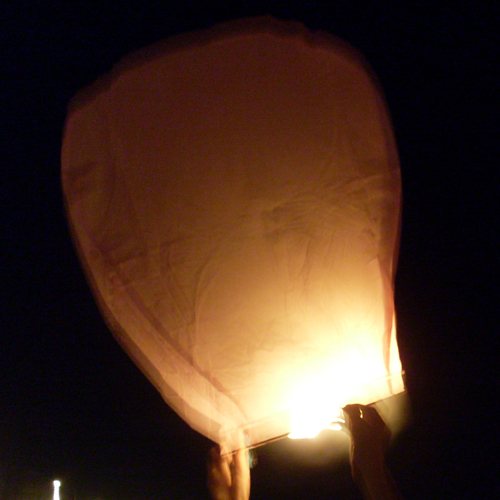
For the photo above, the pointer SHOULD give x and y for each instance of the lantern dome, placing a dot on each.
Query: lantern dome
(234, 195)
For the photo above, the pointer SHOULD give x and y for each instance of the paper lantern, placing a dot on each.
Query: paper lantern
(235, 198)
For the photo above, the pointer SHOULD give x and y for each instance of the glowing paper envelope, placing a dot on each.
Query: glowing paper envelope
(235, 198)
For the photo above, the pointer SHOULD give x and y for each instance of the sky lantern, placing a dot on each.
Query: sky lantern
(234, 195)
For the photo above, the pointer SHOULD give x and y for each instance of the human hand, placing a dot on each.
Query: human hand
(228, 475)
(370, 438)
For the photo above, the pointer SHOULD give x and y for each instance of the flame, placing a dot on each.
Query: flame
(314, 408)
(317, 400)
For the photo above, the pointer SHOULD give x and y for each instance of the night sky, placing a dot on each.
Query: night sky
(73, 406)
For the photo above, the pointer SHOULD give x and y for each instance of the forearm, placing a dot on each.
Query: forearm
(378, 484)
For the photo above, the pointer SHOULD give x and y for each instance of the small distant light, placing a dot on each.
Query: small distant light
(57, 485)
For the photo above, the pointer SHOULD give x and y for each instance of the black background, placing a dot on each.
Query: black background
(72, 404)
